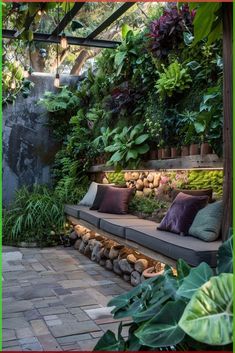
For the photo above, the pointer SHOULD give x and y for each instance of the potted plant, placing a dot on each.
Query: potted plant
(175, 152)
(153, 271)
(187, 130)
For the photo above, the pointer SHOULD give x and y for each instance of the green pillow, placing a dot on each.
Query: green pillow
(207, 223)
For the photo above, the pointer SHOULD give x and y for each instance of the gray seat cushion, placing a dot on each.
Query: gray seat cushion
(118, 225)
(191, 249)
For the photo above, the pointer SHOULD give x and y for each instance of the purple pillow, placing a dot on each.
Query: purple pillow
(182, 212)
(116, 200)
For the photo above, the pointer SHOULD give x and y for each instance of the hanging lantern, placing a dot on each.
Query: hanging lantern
(57, 80)
(63, 41)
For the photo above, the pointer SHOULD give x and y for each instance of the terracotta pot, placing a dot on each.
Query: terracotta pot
(184, 151)
(153, 154)
(149, 273)
(175, 152)
(205, 148)
(159, 153)
(194, 149)
(166, 152)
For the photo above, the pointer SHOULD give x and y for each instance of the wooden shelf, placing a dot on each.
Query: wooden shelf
(188, 162)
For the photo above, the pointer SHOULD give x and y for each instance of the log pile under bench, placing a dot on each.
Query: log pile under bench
(121, 259)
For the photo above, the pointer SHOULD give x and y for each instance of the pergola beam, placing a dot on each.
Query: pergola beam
(67, 18)
(46, 38)
(118, 13)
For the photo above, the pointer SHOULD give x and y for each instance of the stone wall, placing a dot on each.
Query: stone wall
(28, 145)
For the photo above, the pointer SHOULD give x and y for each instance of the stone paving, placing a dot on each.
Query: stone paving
(55, 299)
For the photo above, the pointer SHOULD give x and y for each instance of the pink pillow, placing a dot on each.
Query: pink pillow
(182, 212)
(116, 200)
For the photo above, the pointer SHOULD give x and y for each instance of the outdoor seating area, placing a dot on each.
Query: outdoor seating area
(117, 185)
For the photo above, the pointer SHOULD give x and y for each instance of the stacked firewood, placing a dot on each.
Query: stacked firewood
(115, 257)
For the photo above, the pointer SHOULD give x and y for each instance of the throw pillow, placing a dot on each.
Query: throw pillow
(182, 212)
(200, 192)
(116, 200)
(99, 197)
(207, 223)
(88, 199)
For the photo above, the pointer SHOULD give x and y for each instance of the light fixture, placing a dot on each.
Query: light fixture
(57, 80)
(63, 41)
(13, 84)
(39, 12)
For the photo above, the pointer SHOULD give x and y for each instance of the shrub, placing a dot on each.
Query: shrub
(146, 204)
(36, 215)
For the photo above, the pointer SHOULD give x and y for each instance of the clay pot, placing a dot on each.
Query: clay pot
(159, 153)
(184, 151)
(166, 152)
(193, 149)
(150, 272)
(153, 154)
(205, 148)
(175, 152)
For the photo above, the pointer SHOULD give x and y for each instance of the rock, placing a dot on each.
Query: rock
(147, 191)
(131, 259)
(109, 265)
(156, 180)
(139, 185)
(126, 277)
(125, 266)
(127, 176)
(105, 181)
(146, 183)
(92, 243)
(114, 251)
(82, 247)
(73, 235)
(135, 278)
(77, 244)
(141, 265)
(135, 176)
(150, 177)
(87, 250)
(151, 185)
(80, 230)
(116, 267)
(100, 254)
(96, 250)
(102, 262)
(139, 193)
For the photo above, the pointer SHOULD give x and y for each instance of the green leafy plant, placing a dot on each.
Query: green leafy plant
(188, 311)
(146, 205)
(128, 146)
(103, 140)
(36, 215)
(174, 79)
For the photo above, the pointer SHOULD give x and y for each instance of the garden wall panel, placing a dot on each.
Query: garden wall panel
(28, 146)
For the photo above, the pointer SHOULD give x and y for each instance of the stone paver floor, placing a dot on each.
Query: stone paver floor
(55, 299)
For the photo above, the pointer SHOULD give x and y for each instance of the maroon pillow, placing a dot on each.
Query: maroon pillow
(116, 200)
(182, 212)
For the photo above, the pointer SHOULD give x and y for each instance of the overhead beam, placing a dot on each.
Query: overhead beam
(84, 42)
(118, 13)
(67, 18)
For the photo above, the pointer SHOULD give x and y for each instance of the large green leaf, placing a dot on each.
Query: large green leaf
(183, 269)
(163, 330)
(119, 58)
(109, 342)
(142, 149)
(204, 19)
(140, 139)
(196, 278)
(208, 317)
(225, 257)
(132, 154)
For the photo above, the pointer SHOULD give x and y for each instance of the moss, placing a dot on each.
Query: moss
(198, 179)
(116, 178)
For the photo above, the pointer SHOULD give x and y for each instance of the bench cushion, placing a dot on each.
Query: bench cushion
(190, 249)
(118, 226)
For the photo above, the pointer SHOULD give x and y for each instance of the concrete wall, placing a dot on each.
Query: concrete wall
(28, 146)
